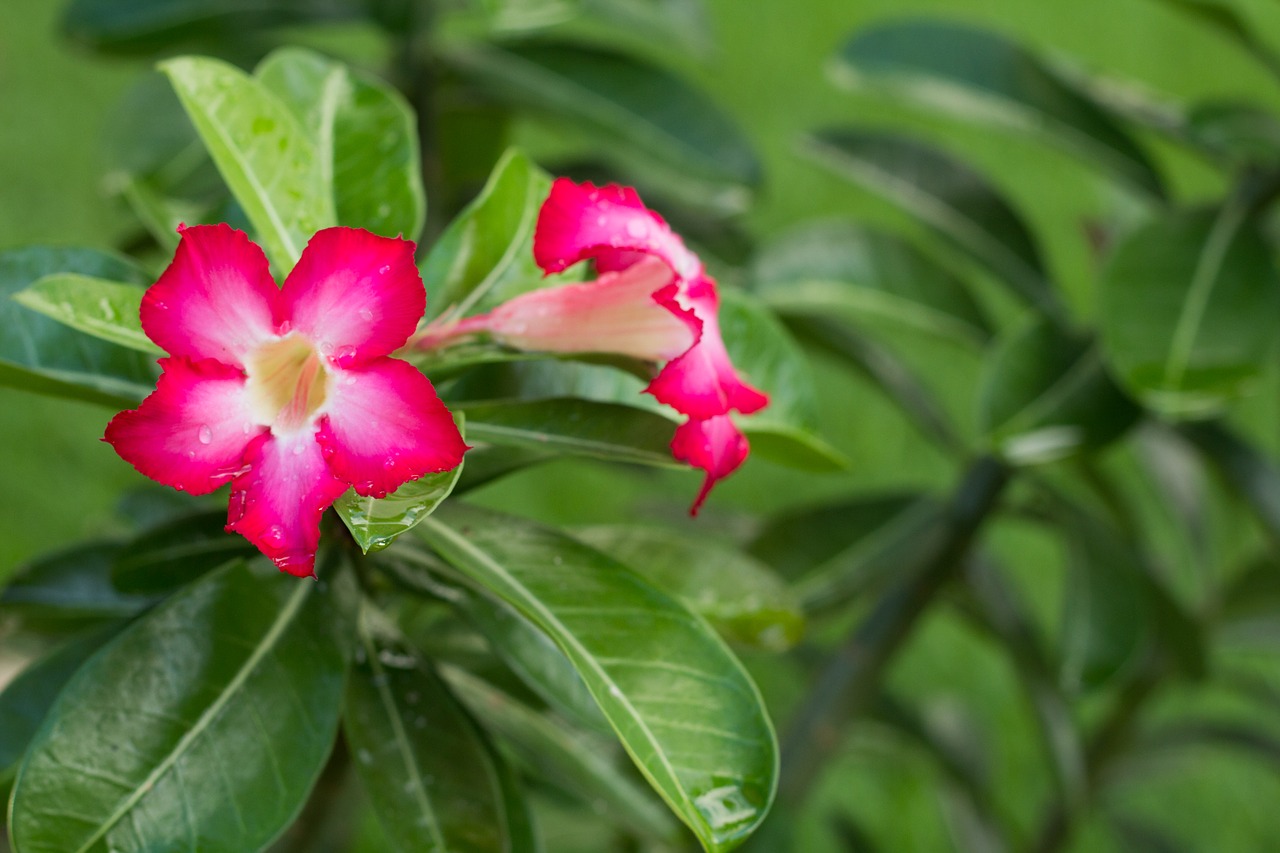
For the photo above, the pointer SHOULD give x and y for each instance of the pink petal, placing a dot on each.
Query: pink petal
(715, 445)
(278, 502)
(192, 432)
(610, 224)
(353, 294)
(703, 383)
(385, 426)
(631, 313)
(214, 300)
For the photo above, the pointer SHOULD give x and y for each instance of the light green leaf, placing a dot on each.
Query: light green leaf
(430, 776)
(957, 203)
(794, 447)
(266, 157)
(840, 270)
(364, 135)
(1187, 307)
(95, 306)
(41, 355)
(680, 703)
(981, 76)
(251, 713)
(736, 593)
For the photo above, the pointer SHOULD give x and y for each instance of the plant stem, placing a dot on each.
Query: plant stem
(849, 683)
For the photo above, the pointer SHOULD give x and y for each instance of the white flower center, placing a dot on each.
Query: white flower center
(287, 383)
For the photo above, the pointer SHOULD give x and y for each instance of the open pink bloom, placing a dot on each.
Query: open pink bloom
(652, 300)
(288, 393)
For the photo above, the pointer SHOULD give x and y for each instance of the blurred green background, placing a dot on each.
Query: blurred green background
(60, 481)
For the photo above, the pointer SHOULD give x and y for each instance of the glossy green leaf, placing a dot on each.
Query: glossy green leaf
(26, 700)
(267, 158)
(485, 256)
(679, 701)
(1045, 394)
(71, 584)
(570, 759)
(960, 205)
(978, 75)
(1246, 469)
(678, 22)
(135, 743)
(430, 776)
(176, 552)
(1186, 307)
(794, 447)
(633, 111)
(608, 431)
(840, 270)
(764, 353)
(365, 137)
(736, 593)
(1243, 133)
(41, 355)
(95, 306)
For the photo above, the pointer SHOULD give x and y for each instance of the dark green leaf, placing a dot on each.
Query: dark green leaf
(681, 704)
(26, 700)
(677, 22)
(979, 75)
(232, 686)
(765, 354)
(1186, 304)
(635, 112)
(841, 270)
(959, 204)
(737, 594)
(176, 553)
(72, 584)
(42, 355)
(431, 777)
(485, 256)
(1045, 394)
(1243, 133)
(95, 306)
(1247, 471)
(267, 158)
(364, 135)
(1222, 16)
(572, 760)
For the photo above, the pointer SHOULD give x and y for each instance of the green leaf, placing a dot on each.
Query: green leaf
(95, 306)
(266, 157)
(794, 447)
(957, 203)
(485, 256)
(679, 701)
(1186, 305)
(1244, 134)
(736, 593)
(27, 698)
(764, 353)
(231, 686)
(176, 553)
(71, 584)
(632, 111)
(570, 759)
(1045, 394)
(1224, 17)
(1248, 471)
(683, 23)
(981, 76)
(609, 431)
(430, 776)
(41, 355)
(365, 138)
(838, 269)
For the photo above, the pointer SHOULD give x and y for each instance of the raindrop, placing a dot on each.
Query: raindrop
(366, 314)
(350, 380)
(205, 434)
(602, 220)
(411, 697)
(389, 463)
(298, 448)
(615, 691)
(384, 269)
(365, 756)
(275, 534)
(345, 353)
(637, 229)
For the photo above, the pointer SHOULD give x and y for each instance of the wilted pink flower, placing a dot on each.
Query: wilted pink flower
(288, 393)
(652, 300)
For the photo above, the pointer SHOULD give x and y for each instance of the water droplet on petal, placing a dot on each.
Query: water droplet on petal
(326, 348)
(602, 220)
(275, 534)
(344, 354)
(350, 380)
(636, 228)
(384, 269)
(298, 448)
(205, 434)
(366, 314)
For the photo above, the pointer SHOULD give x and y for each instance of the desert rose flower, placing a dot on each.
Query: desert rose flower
(653, 300)
(290, 393)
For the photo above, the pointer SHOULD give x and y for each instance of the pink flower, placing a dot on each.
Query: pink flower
(287, 393)
(653, 300)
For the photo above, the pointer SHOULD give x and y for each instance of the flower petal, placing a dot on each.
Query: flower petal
(632, 312)
(610, 224)
(385, 426)
(192, 432)
(214, 300)
(715, 445)
(703, 383)
(278, 502)
(353, 294)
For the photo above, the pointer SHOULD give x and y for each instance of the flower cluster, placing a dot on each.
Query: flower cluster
(652, 300)
(289, 393)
